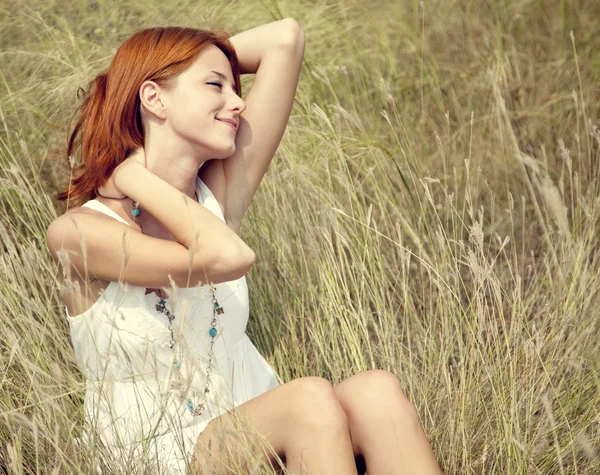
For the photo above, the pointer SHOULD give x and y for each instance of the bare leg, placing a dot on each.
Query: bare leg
(301, 421)
(385, 426)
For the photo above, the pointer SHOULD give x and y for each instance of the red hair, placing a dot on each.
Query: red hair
(109, 126)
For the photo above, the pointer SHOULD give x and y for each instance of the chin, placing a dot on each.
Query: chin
(227, 153)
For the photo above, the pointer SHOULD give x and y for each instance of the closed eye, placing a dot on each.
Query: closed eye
(216, 84)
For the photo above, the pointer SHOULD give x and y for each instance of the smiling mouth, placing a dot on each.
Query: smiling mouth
(228, 123)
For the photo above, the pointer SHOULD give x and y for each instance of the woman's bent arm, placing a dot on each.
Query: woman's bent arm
(100, 247)
(274, 52)
(188, 221)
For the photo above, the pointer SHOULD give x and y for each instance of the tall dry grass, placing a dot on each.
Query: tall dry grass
(432, 210)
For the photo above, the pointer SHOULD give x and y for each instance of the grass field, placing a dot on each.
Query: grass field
(433, 210)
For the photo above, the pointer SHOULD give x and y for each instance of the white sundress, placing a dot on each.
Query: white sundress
(122, 347)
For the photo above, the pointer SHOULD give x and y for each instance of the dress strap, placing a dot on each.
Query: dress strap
(206, 198)
(102, 208)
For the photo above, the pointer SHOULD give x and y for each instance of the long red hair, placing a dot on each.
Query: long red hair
(109, 125)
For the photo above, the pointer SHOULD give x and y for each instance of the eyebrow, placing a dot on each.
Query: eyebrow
(221, 75)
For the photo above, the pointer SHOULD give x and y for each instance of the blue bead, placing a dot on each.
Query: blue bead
(177, 364)
(135, 212)
(213, 332)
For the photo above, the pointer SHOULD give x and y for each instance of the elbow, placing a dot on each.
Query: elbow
(221, 267)
(292, 34)
(251, 257)
(241, 262)
(239, 267)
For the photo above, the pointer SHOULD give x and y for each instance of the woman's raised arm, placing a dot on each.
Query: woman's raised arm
(274, 52)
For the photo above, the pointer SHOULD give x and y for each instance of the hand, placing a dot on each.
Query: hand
(109, 189)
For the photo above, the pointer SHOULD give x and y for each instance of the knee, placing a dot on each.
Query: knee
(376, 394)
(314, 403)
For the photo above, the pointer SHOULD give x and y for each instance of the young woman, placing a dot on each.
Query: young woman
(153, 268)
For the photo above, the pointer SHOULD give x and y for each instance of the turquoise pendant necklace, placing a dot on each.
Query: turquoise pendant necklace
(195, 409)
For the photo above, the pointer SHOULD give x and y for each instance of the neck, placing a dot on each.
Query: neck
(175, 161)
(178, 175)
(148, 224)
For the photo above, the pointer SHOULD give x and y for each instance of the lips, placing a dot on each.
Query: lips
(231, 122)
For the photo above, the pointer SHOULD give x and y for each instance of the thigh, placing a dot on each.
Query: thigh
(261, 427)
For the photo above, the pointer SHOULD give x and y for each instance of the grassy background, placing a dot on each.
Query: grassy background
(432, 210)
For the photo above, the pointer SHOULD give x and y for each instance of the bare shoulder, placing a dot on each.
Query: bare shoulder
(79, 291)
(77, 220)
(91, 214)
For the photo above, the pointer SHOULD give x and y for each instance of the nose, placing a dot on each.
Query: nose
(236, 103)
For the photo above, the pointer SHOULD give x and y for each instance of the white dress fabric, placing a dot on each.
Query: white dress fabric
(122, 346)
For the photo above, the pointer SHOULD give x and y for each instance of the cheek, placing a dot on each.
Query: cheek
(189, 100)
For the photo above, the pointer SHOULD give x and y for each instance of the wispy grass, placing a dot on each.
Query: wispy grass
(432, 210)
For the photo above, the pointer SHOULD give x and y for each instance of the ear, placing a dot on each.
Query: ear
(151, 100)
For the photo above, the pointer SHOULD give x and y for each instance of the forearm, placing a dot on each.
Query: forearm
(251, 45)
(188, 221)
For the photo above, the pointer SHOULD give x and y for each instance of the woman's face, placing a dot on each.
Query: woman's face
(201, 96)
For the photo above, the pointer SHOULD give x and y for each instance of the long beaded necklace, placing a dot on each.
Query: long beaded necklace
(198, 409)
